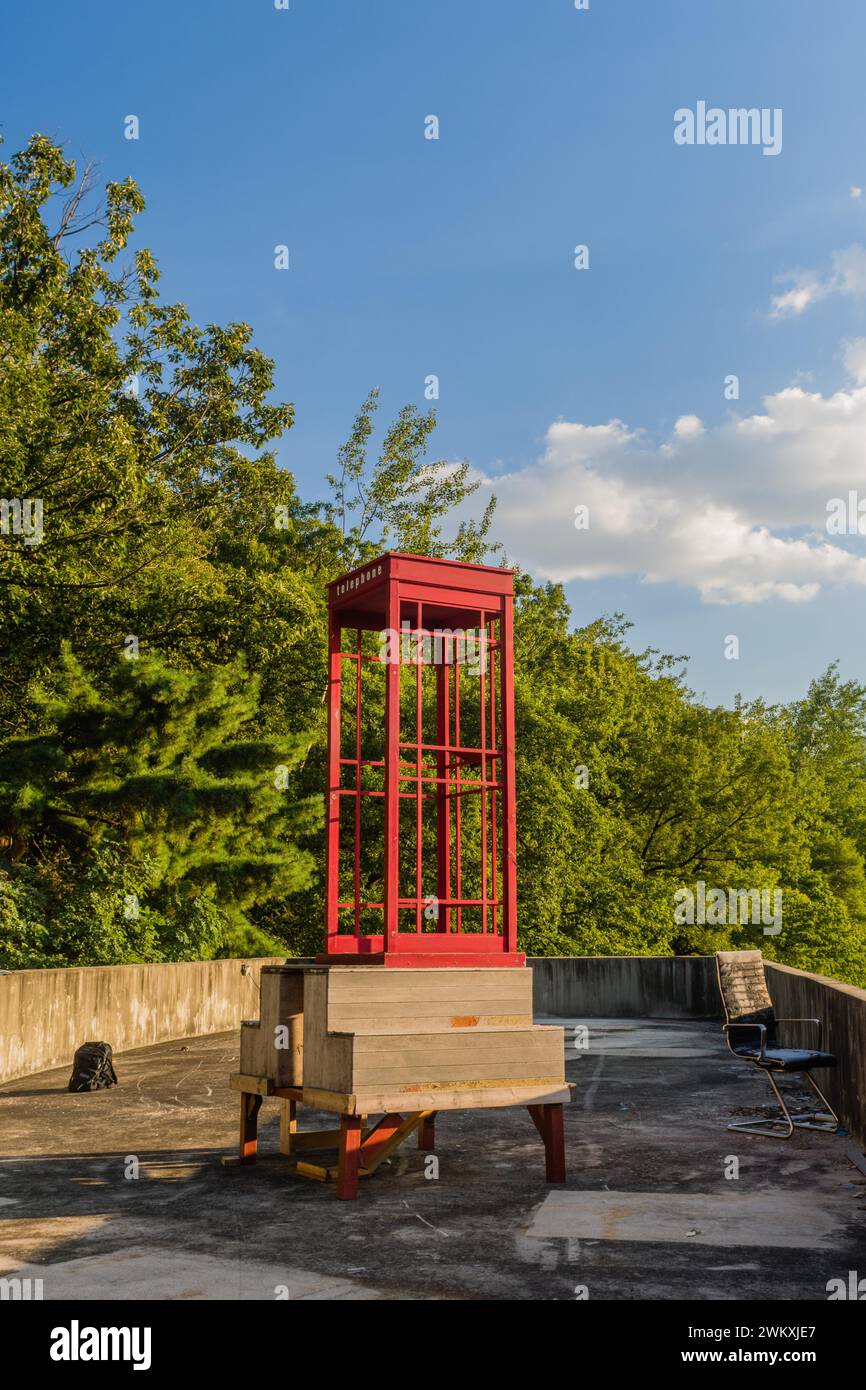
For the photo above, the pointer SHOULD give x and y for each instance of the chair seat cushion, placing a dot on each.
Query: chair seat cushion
(787, 1058)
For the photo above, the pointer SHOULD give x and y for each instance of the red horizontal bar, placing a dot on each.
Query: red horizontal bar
(428, 665)
(453, 748)
(411, 903)
(470, 783)
(353, 791)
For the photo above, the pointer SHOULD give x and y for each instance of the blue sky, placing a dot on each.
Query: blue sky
(411, 257)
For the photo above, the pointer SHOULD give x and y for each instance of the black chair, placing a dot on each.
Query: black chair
(751, 1032)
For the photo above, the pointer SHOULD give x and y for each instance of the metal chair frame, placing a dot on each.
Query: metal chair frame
(825, 1121)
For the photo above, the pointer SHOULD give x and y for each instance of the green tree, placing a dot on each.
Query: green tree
(151, 445)
(162, 770)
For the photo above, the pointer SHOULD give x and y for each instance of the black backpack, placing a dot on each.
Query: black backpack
(92, 1069)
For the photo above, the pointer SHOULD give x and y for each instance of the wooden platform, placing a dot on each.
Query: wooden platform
(364, 1040)
(361, 1039)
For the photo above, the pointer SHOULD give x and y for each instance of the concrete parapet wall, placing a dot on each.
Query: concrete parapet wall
(46, 1014)
(626, 987)
(842, 1011)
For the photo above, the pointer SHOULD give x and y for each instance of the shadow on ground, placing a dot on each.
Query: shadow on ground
(647, 1212)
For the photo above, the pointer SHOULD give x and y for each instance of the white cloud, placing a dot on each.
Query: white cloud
(855, 359)
(846, 276)
(737, 512)
(855, 191)
(689, 426)
(805, 291)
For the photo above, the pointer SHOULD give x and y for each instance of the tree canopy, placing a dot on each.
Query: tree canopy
(161, 711)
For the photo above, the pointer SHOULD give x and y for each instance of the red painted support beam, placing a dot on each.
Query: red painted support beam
(378, 1136)
(427, 1134)
(549, 1123)
(348, 1162)
(554, 1147)
(250, 1107)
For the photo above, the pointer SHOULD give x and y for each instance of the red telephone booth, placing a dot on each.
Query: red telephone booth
(421, 827)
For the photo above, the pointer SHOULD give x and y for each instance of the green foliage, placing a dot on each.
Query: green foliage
(402, 497)
(168, 807)
(629, 790)
(157, 770)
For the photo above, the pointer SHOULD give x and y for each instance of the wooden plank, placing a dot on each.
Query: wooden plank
(442, 1037)
(316, 1139)
(253, 1060)
(460, 1076)
(336, 1102)
(446, 977)
(360, 985)
(493, 1042)
(504, 1070)
(436, 1006)
(324, 1138)
(401, 1017)
(457, 1057)
(314, 1171)
(406, 1062)
(327, 1058)
(287, 1015)
(254, 1085)
(265, 1051)
(484, 1095)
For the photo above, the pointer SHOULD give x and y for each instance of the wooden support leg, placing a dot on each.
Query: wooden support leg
(350, 1146)
(288, 1125)
(554, 1144)
(250, 1107)
(427, 1133)
(548, 1122)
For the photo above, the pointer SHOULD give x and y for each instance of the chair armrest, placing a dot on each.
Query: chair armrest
(761, 1027)
(818, 1021)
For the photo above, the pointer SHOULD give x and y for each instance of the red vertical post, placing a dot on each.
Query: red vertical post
(249, 1133)
(495, 744)
(481, 653)
(349, 1157)
(332, 828)
(548, 1121)
(357, 867)
(419, 767)
(443, 804)
(554, 1144)
(392, 765)
(509, 793)
(458, 792)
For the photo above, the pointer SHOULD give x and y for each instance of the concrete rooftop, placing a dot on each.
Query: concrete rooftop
(647, 1212)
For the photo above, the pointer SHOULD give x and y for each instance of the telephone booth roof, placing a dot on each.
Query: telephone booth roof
(456, 587)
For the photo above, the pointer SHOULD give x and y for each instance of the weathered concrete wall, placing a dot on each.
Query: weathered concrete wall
(626, 987)
(842, 1010)
(46, 1014)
